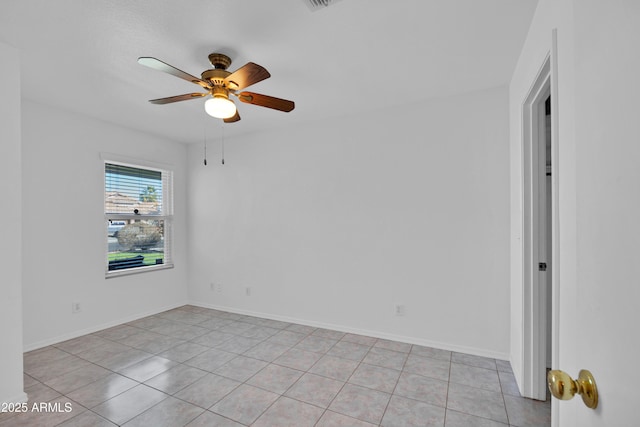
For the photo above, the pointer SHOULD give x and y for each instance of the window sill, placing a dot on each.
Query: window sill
(137, 270)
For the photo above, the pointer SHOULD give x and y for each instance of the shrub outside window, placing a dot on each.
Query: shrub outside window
(138, 217)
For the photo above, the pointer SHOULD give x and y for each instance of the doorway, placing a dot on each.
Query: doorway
(539, 233)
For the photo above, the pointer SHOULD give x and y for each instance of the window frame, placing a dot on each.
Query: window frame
(166, 214)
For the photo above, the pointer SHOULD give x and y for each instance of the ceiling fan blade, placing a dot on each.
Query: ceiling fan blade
(267, 101)
(177, 98)
(156, 64)
(233, 119)
(246, 75)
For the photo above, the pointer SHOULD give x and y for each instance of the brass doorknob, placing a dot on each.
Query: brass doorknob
(563, 387)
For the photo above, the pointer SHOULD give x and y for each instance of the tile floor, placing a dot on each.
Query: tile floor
(193, 366)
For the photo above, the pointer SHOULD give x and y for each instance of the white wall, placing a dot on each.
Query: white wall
(11, 384)
(334, 222)
(63, 226)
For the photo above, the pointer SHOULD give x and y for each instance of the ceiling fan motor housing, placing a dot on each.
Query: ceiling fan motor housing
(215, 76)
(220, 92)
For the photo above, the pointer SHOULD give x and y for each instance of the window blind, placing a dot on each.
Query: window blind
(138, 212)
(128, 188)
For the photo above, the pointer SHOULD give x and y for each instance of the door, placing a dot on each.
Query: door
(600, 293)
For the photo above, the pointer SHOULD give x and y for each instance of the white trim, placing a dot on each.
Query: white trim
(375, 334)
(532, 304)
(110, 274)
(96, 328)
(555, 220)
(533, 297)
(134, 161)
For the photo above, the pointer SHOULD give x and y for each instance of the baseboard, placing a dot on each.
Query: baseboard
(315, 324)
(19, 398)
(371, 333)
(92, 329)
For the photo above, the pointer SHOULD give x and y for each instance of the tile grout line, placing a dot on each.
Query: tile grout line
(406, 359)
(446, 400)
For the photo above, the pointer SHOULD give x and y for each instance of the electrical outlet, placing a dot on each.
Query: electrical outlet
(76, 307)
(219, 288)
(247, 291)
(400, 310)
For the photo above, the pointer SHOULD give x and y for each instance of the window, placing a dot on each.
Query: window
(138, 211)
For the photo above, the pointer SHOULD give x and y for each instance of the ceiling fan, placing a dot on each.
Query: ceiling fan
(220, 83)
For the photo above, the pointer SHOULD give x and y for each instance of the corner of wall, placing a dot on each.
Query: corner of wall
(11, 365)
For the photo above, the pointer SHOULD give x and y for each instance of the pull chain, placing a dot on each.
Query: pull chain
(205, 147)
(223, 143)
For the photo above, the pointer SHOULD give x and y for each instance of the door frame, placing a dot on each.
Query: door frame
(534, 298)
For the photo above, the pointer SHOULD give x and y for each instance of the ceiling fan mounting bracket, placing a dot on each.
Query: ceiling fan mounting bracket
(219, 61)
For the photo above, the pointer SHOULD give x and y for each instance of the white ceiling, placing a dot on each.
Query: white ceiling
(351, 57)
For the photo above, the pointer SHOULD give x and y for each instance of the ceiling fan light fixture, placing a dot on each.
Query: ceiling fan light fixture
(220, 107)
